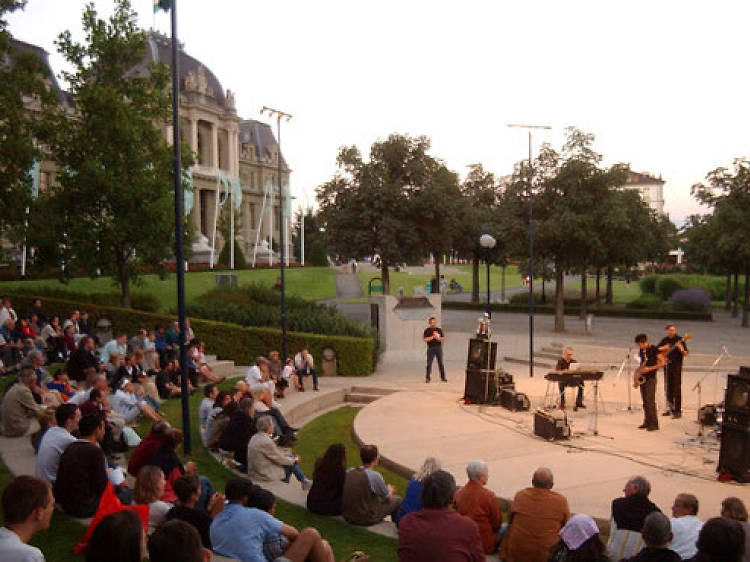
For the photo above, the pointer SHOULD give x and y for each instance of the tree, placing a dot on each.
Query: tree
(25, 98)
(315, 251)
(368, 206)
(113, 209)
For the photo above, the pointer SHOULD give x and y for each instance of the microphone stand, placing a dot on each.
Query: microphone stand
(699, 386)
(625, 365)
(489, 359)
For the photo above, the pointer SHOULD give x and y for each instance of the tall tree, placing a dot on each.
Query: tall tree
(368, 206)
(314, 238)
(26, 96)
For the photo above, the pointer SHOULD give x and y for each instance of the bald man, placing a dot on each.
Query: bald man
(536, 516)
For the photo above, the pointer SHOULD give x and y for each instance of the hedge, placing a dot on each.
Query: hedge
(355, 356)
(574, 310)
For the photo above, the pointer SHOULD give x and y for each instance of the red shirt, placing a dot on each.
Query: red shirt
(430, 535)
(481, 506)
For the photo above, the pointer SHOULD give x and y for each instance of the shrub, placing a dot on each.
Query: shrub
(355, 355)
(139, 301)
(645, 301)
(666, 286)
(691, 300)
(648, 284)
(239, 257)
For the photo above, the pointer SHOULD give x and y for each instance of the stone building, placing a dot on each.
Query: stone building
(650, 188)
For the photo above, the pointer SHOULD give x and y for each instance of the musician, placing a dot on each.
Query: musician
(673, 369)
(433, 337)
(483, 327)
(563, 364)
(651, 362)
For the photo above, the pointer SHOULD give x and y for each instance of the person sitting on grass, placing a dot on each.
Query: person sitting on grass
(240, 531)
(28, 504)
(327, 489)
(237, 433)
(130, 406)
(413, 496)
(61, 383)
(118, 537)
(266, 462)
(210, 392)
(266, 501)
(188, 491)
(177, 541)
(19, 406)
(437, 532)
(218, 419)
(366, 498)
(156, 438)
(149, 487)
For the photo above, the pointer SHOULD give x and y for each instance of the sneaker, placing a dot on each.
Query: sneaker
(642, 426)
(667, 413)
(306, 485)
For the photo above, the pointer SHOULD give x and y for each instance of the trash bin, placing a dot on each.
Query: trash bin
(103, 330)
(329, 368)
(589, 323)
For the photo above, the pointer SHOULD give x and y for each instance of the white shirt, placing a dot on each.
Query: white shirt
(253, 376)
(13, 550)
(685, 532)
(79, 397)
(204, 411)
(54, 442)
(6, 313)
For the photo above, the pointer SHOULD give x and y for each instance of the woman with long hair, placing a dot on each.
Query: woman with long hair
(324, 498)
(149, 487)
(413, 497)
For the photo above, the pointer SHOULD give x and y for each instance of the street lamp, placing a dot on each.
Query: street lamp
(487, 241)
(279, 114)
(530, 128)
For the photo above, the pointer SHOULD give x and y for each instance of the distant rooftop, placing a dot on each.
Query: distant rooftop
(642, 177)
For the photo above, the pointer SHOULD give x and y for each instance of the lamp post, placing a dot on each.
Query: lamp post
(487, 241)
(282, 250)
(530, 128)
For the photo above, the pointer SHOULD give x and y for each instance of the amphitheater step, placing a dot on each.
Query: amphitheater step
(358, 398)
(546, 354)
(370, 390)
(222, 368)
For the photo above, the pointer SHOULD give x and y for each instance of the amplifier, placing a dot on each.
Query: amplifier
(734, 417)
(475, 384)
(734, 454)
(513, 400)
(477, 356)
(503, 377)
(737, 396)
(551, 427)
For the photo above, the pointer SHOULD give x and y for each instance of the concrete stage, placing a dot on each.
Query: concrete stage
(590, 470)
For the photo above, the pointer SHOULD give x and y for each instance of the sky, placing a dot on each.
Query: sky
(662, 85)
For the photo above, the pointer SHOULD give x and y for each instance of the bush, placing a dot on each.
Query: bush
(666, 286)
(648, 284)
(139, 301)
(691, 300)
(239, 257)
(645, 301)
(355, 355)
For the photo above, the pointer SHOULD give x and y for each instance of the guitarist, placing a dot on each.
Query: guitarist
(677, 349)
(651, 362)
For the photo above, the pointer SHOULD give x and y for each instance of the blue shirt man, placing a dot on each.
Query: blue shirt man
(239, 532)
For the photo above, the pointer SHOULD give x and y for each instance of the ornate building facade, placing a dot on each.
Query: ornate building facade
(650, 188)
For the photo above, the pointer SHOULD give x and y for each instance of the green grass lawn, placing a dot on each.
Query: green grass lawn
(312, 283)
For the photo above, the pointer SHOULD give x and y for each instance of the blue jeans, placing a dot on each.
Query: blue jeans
(296, 470)
(432, 353)
(301, 374)
(207, 490)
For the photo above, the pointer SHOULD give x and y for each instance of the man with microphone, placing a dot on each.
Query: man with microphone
(433, 337)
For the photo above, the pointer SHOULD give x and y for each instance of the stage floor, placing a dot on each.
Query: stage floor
(589, 470)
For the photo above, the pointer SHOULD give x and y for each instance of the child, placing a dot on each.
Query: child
(61, 384)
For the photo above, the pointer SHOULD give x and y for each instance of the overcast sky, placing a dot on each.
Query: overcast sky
(662, 84)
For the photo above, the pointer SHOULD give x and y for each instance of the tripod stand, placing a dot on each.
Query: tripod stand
(626, 366)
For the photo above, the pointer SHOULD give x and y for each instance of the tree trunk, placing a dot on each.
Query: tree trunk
(584, 293)
(502, 285)
(384, 275)
(608, 298)
(559, 303)
(745, 309)
(598, 288)
(475, 279)
(543, 300)
(124, 280)
(436, 285)
(728, 299)
(736, 295)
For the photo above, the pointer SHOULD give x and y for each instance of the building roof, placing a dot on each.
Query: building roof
(28, 49)
(159, 49)
(261, 136)
(641, 178)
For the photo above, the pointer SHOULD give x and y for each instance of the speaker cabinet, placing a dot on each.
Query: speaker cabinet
(550, 427)
(477, 355)
(511, 399)
(474, 386)
(734, 455)
(737, 398)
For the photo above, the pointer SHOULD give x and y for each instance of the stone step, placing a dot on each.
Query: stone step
(361, 398)
(222, 368)
(370, 390)
(552, 349)
(546, 354)
(210, 358)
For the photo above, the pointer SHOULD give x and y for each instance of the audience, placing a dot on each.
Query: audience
(27, 507)
(579, 542)
(536, 516)
(733, 508)
(177, 541)
(83, 364)
(188, 491)
(19, 406)
(366, 499)
(218, 419)
(685, 525)
(149, 487)
(148, 446)
(305, 366)
(55, 440)
(324, 497)
(628, 516)
(481, 505)
(240, 531)
(266, 462)
(413, 496)
(436, 532)
(118, 537)
(657, 534)
(130, 406)
(117, 345)
(237, 433)
(721, 539)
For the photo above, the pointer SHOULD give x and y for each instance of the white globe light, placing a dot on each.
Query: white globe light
(487, 241)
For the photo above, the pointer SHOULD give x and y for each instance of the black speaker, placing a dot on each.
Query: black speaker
(707, 415)
(513, 400)
(737, 397)
(504, 377)
(477, 355)
(734, 455)
(550, 427)
(474, 386)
